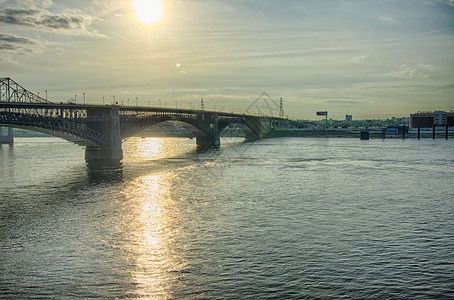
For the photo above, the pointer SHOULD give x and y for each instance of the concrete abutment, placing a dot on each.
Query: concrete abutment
(212, 138)
(107, 122)
(8, 138)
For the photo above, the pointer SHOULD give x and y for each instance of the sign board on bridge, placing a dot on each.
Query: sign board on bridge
(322, 113)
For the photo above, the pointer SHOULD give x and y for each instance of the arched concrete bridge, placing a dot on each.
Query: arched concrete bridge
(102, 129)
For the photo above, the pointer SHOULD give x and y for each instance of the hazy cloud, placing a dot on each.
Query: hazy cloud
(11, 43)
(427, 67)
(358, 59)
(388, 19)
(405, 71)
(448, 2)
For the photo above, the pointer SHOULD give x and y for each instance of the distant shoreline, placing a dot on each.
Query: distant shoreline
(330, 133)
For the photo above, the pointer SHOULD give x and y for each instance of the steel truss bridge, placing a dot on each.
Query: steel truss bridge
(103, 129)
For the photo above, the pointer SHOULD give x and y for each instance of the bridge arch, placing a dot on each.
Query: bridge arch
(132, 126)
(203, 125)
(69, 126)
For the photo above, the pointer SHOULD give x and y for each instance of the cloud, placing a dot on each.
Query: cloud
(19, 45)
(448, 2)
(358, 59)
(427, 67)
(388, 19)
(70, 21)
(405, 71)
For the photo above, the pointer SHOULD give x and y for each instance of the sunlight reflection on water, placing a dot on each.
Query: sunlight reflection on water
(150, 203)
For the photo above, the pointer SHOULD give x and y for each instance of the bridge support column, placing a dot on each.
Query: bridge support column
(97, 153)
(255, 131)
(106, 121)
(212, 140)
(8, 138)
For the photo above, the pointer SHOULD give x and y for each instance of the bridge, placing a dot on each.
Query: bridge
(103, 128)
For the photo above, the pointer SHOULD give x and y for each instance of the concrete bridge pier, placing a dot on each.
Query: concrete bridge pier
(106, 121)
(8, 138)
(212, 139)
(255, 131)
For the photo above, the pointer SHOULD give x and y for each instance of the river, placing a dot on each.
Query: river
(284, 218)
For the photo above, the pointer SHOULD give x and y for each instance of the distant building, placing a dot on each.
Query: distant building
(348, 118)
(450, 118)
(440, 117)
(429, 119)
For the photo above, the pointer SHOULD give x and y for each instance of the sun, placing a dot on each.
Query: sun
(149, 12)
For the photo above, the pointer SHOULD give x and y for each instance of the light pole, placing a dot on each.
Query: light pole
(114, 99)
(137, 102)
(159, 103)
(103, 101)
(148, 103)
(46, 94)
(84, 97)
(75, 99)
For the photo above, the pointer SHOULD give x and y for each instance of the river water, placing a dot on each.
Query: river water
(286, 218)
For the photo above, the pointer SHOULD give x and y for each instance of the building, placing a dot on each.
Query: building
(422, 119)
(450, 118)
(440, 118)
(429, 119)
(348, 118)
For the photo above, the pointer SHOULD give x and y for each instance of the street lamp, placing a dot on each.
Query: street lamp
(137, 101)
(84, 97)
(75, 99)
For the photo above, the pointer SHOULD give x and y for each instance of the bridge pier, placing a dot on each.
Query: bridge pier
(212, 139)
(255, 131)
(8, 138)
(107, 122)
(205, 143)
(100, 153)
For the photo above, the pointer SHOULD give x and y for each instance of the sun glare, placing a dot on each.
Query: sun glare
(149, 12)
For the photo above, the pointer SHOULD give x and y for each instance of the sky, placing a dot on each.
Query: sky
(370, 59)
